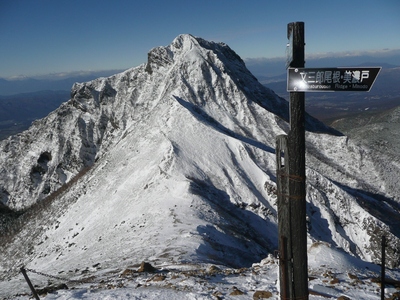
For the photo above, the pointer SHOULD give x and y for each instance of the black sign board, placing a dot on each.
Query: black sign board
(349, 79)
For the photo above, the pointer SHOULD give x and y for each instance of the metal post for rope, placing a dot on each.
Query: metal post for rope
(23, 271)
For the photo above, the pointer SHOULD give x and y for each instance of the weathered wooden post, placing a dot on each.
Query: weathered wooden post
(297, 171)
(292, 226)
(284, 230)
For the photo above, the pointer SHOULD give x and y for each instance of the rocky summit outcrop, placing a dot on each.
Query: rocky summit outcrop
(180, 166)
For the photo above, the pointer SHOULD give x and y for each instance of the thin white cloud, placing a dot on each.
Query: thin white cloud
(69, 74)
(373, 53)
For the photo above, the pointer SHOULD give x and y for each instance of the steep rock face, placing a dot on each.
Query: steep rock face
(43, 158)
(187, 141)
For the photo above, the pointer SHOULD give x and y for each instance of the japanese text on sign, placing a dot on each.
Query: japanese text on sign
(336, 77)
(331, 79)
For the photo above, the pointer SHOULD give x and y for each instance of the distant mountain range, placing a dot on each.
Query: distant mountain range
(264, 68)
(54, 82)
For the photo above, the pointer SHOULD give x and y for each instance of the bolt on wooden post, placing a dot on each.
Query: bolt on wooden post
(292, 226)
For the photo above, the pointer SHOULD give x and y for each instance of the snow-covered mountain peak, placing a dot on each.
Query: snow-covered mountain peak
(189, 48)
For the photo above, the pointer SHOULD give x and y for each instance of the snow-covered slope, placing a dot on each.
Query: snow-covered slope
(173, 162)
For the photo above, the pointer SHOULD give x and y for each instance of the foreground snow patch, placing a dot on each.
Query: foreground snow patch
(336, 275)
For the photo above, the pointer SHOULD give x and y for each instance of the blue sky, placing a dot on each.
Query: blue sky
(41, 37)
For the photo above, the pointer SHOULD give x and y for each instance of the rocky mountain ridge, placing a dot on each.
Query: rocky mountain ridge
(181, 168)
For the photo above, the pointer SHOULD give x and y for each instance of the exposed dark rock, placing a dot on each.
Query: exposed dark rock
(146, 267)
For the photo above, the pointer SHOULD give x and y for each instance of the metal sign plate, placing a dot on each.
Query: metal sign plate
(349, 79)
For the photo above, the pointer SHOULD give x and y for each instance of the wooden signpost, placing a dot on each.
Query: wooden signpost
(291, 185)
(290, 157)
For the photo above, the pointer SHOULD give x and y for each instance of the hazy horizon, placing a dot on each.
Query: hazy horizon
(261, 66)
